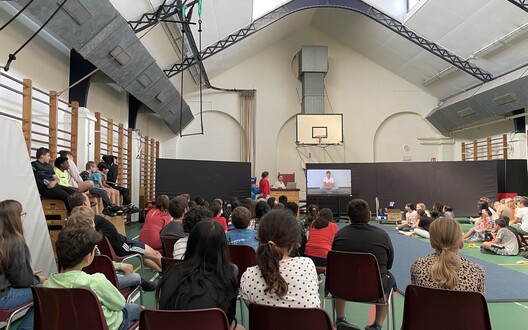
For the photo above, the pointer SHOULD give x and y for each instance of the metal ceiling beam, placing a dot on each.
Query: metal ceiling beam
(162, 13)
(523, 4)
(358, 6)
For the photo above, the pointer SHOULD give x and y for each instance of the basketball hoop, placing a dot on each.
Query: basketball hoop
(320, 138)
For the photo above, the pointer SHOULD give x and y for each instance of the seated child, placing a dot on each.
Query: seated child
(242, 235)
(123, 246)
(75, 250)
(216, 209)
(110, 208)
(320, 238)
(504, 242)
(410, 218)
(422, 226)
(448, 212)
(83, 216)
(278, 279)
(98, 176)
(482, 224)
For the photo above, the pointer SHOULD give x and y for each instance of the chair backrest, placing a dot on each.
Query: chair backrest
(353, 276)
(106, 249)
(168, 246)
(103, 264)
(65, 309)
(438, 309)
(167, 263)
(243, 256)
(198, 319)
(263, 317)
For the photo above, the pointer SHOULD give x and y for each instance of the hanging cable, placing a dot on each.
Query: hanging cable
(201, 66)
(17, 14)
(12, 57)
(181, 82)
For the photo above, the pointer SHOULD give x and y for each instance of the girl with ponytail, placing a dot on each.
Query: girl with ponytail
(278, 279)
(445, 269)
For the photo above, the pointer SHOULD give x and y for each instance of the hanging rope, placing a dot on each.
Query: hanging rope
(12, 57)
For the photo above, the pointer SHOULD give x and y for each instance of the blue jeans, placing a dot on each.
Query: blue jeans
(16, 297)
(129, 280)
(130, 315)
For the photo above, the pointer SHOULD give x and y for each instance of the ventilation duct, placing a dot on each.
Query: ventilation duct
(489, 102)
(313, 65)
(97, 31)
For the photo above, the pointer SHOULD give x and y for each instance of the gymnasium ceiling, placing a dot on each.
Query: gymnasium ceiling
(488, 36)
(491, 34)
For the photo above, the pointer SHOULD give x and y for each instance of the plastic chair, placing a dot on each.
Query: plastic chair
(243, 256)
(7, 315)
(439, 309)
(354, 276)
(264, 317)
(106, 249)
(103, 264)
(167, 263)
(197, 319)
(65, 309)
(168, 246)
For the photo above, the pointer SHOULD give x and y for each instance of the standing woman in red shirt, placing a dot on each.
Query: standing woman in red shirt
(155, 220)
(320, 237)
(264, 185)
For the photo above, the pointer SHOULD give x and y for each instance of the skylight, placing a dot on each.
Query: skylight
(262, 7)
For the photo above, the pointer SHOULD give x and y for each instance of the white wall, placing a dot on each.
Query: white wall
(381, 111)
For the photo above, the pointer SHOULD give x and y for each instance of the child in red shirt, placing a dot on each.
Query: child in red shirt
(320, 238)
(216, 209)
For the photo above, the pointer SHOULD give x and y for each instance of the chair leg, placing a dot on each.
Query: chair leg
(333, 311)
(20, 310)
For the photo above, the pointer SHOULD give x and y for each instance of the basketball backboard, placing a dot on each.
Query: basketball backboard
(317, 129)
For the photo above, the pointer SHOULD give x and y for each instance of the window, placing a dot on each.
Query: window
(411, 4)
(262, 7)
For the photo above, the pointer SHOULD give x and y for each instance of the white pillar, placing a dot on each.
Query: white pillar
(135, 175)
(85, 138)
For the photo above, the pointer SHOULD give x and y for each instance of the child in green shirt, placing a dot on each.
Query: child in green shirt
(75, 250)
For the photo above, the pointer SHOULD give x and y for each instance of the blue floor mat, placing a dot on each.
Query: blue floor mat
(502, 284)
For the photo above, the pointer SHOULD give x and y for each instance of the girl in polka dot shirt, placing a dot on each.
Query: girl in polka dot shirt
(280, 280)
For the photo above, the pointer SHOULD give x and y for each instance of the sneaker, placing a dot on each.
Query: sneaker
(109, 213)
(344, 325)
(116, 209)
(132, 209)
(372, 327)
(148, 286)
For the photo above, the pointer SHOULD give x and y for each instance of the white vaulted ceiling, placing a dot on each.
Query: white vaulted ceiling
(490, 34)
(463, 27)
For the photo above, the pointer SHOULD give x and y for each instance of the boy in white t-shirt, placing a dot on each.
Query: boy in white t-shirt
(504, 242)
(520, 222)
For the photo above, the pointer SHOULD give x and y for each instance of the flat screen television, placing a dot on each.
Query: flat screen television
(329, 182)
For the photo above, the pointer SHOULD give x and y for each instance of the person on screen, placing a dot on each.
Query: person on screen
(279, 184)
(328, 183)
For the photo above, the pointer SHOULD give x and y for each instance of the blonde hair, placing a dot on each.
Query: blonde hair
(81, 216)
(446, 239)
